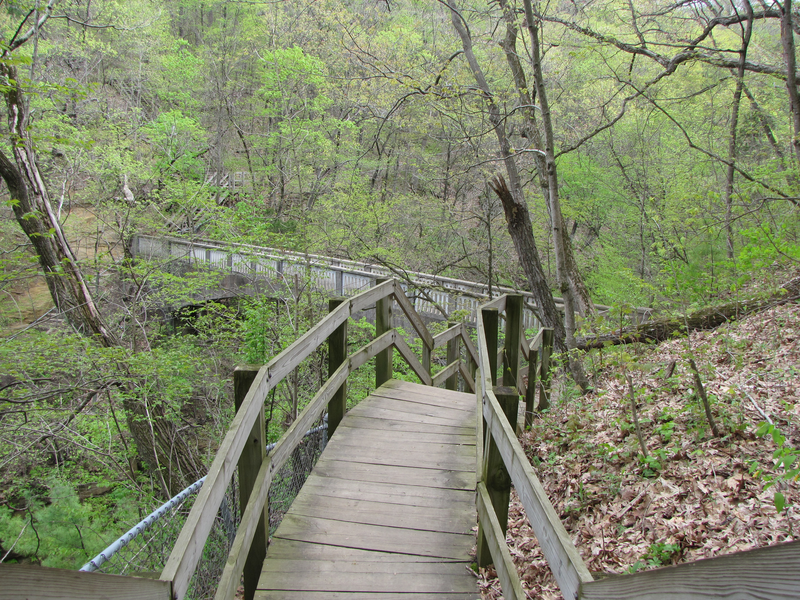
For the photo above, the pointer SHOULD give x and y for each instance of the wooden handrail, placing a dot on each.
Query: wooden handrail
(189, 546)
(566, 564)
(504, 565)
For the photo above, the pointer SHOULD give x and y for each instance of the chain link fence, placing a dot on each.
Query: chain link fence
(144, 549)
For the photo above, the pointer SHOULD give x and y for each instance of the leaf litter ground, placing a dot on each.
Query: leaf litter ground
(697, 496)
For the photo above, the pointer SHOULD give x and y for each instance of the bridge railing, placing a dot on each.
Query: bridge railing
(243, 444)
(433, 296)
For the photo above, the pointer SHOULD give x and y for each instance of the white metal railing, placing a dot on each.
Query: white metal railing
(435, 296)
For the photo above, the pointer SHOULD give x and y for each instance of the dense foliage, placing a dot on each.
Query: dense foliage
(353, 129)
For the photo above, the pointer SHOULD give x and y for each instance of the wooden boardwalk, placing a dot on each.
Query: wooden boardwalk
(389, 509)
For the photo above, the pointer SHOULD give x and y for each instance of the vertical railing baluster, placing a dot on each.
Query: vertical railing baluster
(383, 323)
(337, 354)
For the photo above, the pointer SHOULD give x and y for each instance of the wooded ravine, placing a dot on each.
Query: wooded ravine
(629, 154)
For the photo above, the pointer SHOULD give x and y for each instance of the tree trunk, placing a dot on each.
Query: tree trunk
(530, 131)
(155, 435)
(511, 195)
(560, 237)
(35, 216)
(737, 97)
(787, 39)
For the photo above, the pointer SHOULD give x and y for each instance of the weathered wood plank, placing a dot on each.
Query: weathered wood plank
(368, 434)
(365, 410)
(385, 456)
(253, 454)
(426, 405)
(380, 582)
(421, 371)
(446, 374)
(33, 582)
(468, 345)
(496, 477)
(562, 556)
(378, 443)
(294, 595)
(389, 508)
(413, 317)
(496, 540)
(354, 567)
(383, 324)
(764, 573)
(428, 395)
(468, 380)
(446, 519)
(302, 551)
(279, 455)
(441, 339)
(372, 349)
(373, 537)
(389, 493)
(458, 480)
(404, 424)
(337, 354)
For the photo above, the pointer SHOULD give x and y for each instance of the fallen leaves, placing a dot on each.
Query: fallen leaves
(703, 496)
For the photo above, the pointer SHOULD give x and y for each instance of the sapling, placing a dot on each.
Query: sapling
(698, 384)
(636, 418)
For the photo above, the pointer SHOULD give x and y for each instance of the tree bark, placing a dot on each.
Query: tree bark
(531, 131)
(34, 213)
(787, 39)
(737, 97)
(155, 435)
(517, 217)
(560, 237)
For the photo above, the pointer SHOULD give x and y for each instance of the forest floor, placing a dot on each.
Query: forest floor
(696, 496)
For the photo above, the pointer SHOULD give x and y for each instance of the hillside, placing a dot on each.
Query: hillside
(697, 496)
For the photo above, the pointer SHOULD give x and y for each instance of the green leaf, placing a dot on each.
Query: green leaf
(780, 501)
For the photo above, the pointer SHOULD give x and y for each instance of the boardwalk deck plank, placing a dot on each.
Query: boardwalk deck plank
(388, 493)
(386, 423)
(389, 509)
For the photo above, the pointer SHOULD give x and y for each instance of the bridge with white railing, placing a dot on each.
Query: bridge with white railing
(434, 297)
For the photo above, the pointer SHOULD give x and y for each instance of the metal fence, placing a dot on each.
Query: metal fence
(143, 550)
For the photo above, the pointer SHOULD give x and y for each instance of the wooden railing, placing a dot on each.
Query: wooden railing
(504, 462)
(772, 572)
(243, 444)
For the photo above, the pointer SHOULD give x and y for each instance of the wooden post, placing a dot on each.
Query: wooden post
(337, 354)
(490, 319)
(530, 391)
(452, 356)
(513, 339)
(544, 385)
(339, 276)
(253, 454)
(383, 323)
(426, 358)
(495, 474)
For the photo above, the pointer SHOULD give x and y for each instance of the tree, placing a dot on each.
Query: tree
(154, 434)
(519, 225)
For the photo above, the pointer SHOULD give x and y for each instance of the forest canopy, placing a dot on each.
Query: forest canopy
(654, 147)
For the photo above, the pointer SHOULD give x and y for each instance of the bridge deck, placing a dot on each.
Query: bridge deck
(388, 511)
